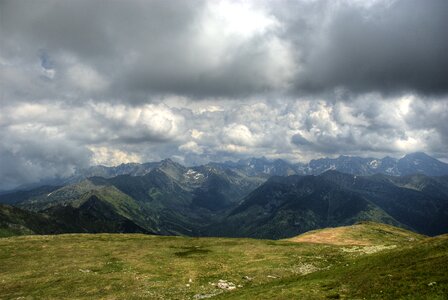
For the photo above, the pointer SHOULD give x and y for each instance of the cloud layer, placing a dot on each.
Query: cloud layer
(89, 82)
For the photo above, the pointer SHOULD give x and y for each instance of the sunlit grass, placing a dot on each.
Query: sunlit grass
(133, 266)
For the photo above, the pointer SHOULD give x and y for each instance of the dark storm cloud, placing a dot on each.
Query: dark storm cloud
(299, 140)
(90, 82)
(136, 49)
(387, 47)
(141, 48)
(95, 29)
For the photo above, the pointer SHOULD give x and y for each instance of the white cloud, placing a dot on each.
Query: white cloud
(196, 134)
(141, 122)
(240, 135)
(49, 139)
(112, 157)
(191, 147)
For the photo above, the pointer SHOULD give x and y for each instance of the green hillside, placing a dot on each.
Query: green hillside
(15, 221)
(169, 200)
(212, 200)
(362, 234)
(287, 206)
(135, 266)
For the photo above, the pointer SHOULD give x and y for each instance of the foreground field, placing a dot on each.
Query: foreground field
(387, 263)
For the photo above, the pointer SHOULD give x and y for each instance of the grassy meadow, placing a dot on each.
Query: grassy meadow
(135, 266)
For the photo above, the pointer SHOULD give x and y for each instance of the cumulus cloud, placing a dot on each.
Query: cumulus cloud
(138, 124)
(95, 82)
(191, 147)
(238, 134)
(46, 140)
(112, 157)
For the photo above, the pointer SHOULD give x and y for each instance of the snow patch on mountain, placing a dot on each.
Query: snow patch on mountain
(374, 164)
(193, 175)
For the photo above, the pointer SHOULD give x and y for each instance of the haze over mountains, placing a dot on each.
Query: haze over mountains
(254, 198)
(414, 163)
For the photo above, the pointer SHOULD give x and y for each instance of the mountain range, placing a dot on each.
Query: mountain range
(287, 206)
(249, 198)
(414, 163)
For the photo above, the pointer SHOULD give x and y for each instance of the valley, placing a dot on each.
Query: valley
(243, 199)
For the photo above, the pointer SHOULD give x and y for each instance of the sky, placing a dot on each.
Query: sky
(91, 82)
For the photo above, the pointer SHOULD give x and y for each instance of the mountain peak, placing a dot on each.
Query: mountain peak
(167, 161)
(170, 164)
(171, 168)
(420, 162)
(412, 163)
(418, 155)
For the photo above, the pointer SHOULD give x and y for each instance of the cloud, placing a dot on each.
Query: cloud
(196, 48)
(299, 140)
(47, 140)
(136, 50)
(85, 77)
(138, 124)
(112, 157)
(238, 134)
(87, 82)
(44, 140)
(381, 46)
(191, 147)
(25, 158)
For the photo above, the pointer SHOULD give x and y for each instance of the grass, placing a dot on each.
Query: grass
(362, 234)
(134, 266)
(412, 272)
